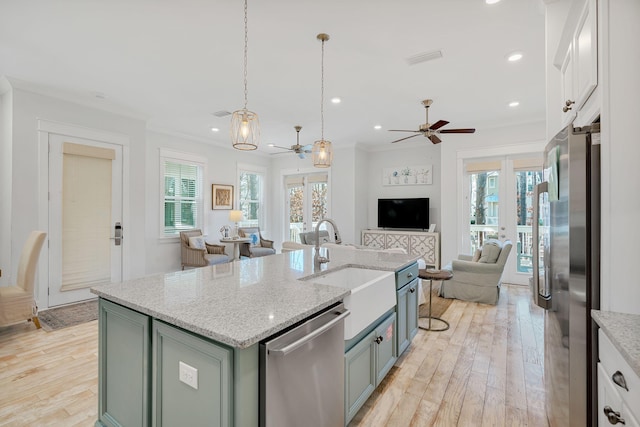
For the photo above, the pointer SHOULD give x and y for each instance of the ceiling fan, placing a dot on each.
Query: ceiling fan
(300, 150)
(431, 131)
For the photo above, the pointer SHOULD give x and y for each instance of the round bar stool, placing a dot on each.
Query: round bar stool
(432, 275)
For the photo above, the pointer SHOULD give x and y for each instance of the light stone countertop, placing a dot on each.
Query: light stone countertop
(624, 332)
(243, 302)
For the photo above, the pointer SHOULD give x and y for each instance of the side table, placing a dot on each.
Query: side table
(236, 242)
(432, 275)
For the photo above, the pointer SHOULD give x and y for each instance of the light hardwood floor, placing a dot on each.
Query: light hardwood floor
(486, 370)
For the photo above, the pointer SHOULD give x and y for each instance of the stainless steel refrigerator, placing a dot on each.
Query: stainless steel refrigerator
(566, 280)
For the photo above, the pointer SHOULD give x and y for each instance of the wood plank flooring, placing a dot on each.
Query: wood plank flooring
(486, 370)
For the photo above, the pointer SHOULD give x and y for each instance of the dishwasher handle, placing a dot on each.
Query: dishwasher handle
(289, 348)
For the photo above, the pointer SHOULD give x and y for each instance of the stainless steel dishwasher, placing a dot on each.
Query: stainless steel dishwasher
(302, 373)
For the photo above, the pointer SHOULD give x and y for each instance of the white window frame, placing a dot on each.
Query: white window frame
(258, 170)
(168, 155)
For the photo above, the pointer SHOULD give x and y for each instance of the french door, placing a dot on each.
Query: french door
(85, 217)
(499, 201)
(306, 202)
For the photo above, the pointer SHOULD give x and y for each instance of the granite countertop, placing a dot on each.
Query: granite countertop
(624, 332)
(243, 302)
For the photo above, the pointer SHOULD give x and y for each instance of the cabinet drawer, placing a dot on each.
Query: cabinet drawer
(612, 362)
(406, 275)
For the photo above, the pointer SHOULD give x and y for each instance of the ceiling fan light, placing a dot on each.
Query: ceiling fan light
(245, 130)
(322, 153)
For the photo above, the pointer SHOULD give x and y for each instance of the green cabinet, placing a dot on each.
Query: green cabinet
(367, 363)
(407, 306)
(407, 311)
(124, 366)
(191, 379)
(155, 374)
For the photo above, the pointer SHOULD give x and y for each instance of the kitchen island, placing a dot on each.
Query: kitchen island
(221, 311)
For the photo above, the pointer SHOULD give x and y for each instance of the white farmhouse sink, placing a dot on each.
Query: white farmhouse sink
(373, 292)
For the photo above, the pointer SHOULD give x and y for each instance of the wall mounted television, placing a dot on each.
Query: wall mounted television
(403, 213)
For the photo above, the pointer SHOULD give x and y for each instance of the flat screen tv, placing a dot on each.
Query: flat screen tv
(403, 213)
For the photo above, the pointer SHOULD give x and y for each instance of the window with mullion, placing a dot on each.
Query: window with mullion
(182, 192)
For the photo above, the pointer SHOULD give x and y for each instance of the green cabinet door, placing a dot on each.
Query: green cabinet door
(124, 343)
(386, 354)
(407, 312)
(412, 310)
(360, 374)
(192, 379)
(402, 337)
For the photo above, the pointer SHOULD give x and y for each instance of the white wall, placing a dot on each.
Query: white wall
(421, 152)
(26, 209)
(504, 141)
(620, 290)
(6, 100)
(163, 254)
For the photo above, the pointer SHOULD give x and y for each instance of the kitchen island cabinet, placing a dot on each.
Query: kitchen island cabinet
(211, 319)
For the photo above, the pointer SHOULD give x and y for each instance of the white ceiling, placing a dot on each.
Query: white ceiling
(174, 63)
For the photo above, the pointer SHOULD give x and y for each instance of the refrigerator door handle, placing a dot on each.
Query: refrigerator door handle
(543, 301)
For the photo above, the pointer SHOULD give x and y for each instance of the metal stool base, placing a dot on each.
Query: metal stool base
(430, 328)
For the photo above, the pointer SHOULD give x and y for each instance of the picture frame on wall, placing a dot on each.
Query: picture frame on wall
(221, 196)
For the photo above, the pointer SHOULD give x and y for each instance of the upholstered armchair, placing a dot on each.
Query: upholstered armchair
(477, 278)
(259, 246)
(198, 253)
(17, 303)
(309, 237)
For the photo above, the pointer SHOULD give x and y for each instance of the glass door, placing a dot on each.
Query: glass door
(499, 203)
(306, 203)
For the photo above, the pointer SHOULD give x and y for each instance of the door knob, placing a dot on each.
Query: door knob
(613, 416)
(567, 105)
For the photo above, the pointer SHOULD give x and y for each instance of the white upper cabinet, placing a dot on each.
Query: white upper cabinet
(585, 52)
(577, 60)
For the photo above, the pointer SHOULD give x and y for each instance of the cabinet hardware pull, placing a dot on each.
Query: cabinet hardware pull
(613, 416)
(618, 378)
(410, 275)
(379, 340)
(412, 290)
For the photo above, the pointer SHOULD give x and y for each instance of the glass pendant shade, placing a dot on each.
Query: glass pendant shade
(245, 130)
(322, 154)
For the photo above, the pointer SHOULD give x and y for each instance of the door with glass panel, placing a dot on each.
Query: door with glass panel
(306, 203)
(499, 203)
(86, 233)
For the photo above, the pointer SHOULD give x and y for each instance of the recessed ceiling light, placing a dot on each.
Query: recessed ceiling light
(215, 130)
(271, 145)
(514, 56)
(491, 1)
(514, 104)
(377, 127)
(336, 100)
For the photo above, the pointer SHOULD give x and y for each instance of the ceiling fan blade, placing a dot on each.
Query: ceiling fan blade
(438, 124)
(435, 139)
(402, 139)
(307, 148)
(469, 130)
(403, 130)
(282, 148)
(301, 155)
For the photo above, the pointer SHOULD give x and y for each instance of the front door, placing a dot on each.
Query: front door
(85, 217)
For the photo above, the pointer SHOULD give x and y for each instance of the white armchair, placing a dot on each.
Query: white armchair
(477, 278)
(17, 303)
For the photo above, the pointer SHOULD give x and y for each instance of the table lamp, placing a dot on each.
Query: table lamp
(235, 216)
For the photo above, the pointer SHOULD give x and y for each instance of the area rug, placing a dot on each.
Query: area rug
(68, 315)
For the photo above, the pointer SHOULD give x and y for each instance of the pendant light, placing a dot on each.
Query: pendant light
(245, 128)
(322, 152)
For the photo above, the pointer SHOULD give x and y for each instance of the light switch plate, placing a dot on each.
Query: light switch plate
(188, 375)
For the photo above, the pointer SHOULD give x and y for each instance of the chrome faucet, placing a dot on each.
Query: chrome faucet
(317, 258)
